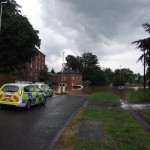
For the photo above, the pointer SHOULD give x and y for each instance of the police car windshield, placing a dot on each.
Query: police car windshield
(44, 86)
(10, 88)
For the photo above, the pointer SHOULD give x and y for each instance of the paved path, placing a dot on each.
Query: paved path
(133, 109)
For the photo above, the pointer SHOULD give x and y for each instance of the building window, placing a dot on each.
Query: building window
(64, 78)
(72, 78)
(36, 64)
(36, 77)
(31, 64)
(39, 66)
(76, 78)
(42, 66)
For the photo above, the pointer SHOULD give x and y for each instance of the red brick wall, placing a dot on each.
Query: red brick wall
(33, 70)
(36, 66)
(11, 79)
(70, 79)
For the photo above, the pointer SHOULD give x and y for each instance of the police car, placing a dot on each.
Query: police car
(45, 88)
(21, 95)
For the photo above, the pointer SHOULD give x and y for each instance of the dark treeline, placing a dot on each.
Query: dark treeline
(88, 65)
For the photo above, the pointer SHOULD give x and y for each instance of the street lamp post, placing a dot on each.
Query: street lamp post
(1, 13)
(120, 75)
(62, 67)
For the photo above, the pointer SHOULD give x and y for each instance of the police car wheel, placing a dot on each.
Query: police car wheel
(51, 95)
(3, 106)
(28, 105)
(44, 101)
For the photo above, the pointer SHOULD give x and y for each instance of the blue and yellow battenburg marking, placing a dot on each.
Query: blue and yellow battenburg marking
(13, 98)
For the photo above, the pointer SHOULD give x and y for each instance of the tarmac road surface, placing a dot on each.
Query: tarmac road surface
(38, 128)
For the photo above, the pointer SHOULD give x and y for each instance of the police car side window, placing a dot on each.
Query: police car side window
(46, 86)
(37, 89)
(32, 89)
(26, 89)
(42, 87)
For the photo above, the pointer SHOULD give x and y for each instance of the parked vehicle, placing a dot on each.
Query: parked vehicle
(21, 95)
(45, 88)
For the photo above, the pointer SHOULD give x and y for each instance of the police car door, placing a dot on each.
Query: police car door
(38, 94)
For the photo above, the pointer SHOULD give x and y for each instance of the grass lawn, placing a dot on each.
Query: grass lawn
(141, 95)
(104, 96)
(121, 130)
(146, 114)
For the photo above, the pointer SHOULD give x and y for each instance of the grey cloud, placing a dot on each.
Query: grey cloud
(96, 25)
(97, 16)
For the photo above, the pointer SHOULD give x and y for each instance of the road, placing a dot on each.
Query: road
(38, 128)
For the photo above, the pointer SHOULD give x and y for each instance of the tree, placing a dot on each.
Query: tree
(108, 73)
(43, 76)
(124, 73)
(87, 64)
(89, 67)
(71, 62)
(19, 41)
(53, 71)
(144, 46)
(74, 63)
(118, 81)
(89, 61)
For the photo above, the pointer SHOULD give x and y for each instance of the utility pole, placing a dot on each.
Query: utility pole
(1, 18)
(62, 67)
(1, 14)
(144, 71)
(120, 74)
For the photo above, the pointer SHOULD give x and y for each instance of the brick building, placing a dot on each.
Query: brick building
(31, 73)
(70, 77)
(36, 66)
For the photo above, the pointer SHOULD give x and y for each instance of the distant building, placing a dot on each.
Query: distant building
(51, 77)
(70, 77)
(37, 64)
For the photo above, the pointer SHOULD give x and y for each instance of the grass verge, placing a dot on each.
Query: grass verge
(146, 115)
(104, 96)
(66, 141)
(141, 95)
(122, 132)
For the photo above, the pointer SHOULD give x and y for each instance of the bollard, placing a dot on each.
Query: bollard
(59, 90)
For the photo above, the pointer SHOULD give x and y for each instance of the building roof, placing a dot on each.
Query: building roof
(41, 52)
(51, 74)
(69, 71)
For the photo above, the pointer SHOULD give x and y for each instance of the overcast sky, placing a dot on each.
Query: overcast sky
(104, 27)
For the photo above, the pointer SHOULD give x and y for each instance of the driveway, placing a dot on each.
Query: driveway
(38, 128)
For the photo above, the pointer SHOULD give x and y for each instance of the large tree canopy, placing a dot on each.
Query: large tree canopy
(144, 46)
(18, 41)
(87, 64)
(43, 76)
(71, 62)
